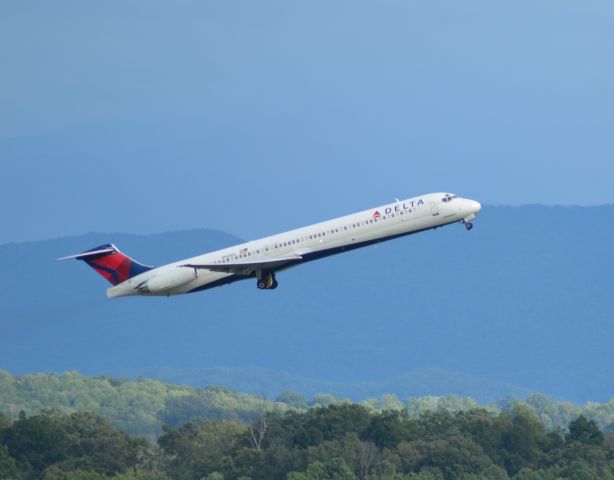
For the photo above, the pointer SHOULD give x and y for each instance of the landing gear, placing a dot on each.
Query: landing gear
(467, 221)
(267, 281)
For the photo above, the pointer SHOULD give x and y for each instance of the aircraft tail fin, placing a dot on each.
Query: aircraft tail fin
(109, 262)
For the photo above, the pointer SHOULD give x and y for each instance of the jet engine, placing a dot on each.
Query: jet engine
(168, 279)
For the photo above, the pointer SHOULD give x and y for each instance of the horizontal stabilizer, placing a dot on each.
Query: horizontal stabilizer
(248, 268)
(80, 256)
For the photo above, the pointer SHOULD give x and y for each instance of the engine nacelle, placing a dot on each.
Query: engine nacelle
(168, 279)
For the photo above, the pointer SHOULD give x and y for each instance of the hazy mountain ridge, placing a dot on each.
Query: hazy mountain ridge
(524, 299)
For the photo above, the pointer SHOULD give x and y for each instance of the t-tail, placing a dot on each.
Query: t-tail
(112, 264)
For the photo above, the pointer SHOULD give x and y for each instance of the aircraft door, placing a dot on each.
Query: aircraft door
(434, 209)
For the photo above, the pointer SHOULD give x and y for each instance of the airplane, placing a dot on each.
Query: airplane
(263, 258)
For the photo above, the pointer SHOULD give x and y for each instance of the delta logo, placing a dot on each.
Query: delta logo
(407, 205)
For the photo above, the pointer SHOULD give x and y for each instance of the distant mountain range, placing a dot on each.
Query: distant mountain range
(522, 303)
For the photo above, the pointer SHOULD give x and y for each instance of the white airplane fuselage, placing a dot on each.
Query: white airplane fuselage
(263, 257)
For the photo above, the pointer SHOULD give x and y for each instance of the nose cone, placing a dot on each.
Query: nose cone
(475, 206)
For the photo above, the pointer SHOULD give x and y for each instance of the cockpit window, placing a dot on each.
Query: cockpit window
(448, 198)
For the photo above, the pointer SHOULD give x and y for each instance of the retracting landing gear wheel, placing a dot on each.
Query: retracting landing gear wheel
(468, 226)
(267, 281)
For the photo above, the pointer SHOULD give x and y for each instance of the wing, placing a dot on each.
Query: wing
(248, 268)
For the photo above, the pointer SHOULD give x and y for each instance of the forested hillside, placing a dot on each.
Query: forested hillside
(136, 407)
(344, 442)
(142, 407)
(417, 382)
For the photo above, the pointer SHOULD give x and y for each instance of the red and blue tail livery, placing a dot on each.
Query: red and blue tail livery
(112, 264)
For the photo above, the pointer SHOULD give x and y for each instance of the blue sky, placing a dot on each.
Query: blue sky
(255, 117)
